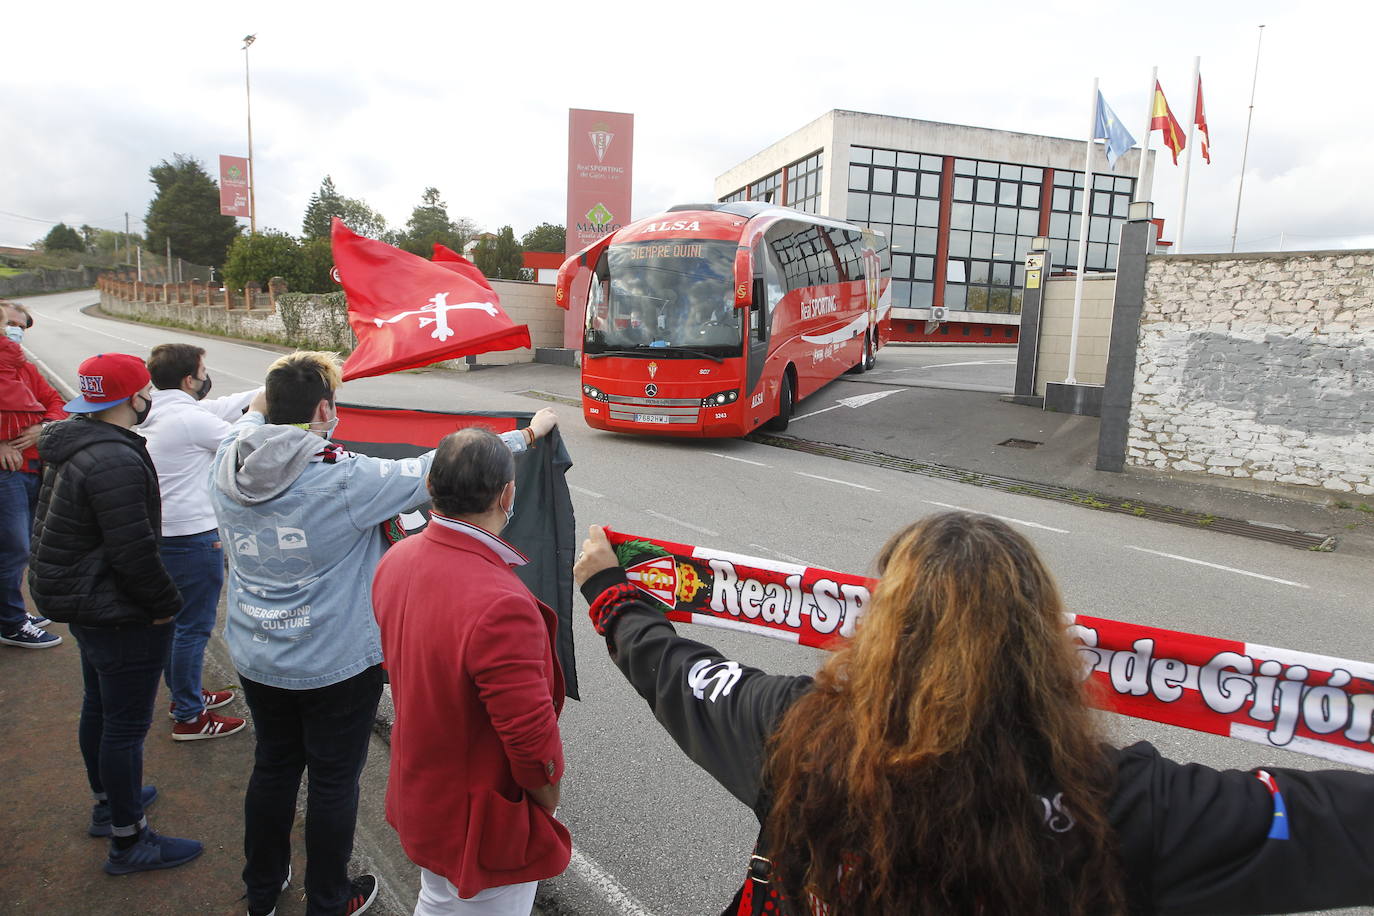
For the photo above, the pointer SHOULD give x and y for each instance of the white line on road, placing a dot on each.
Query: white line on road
(814, 412)
(1243, 572)
(584, 491)
(977, 362)
(779, 554)
(1004, 518)
(688, 525)
(857, 486)
(56, 379)
(611, 889)
(759, 464)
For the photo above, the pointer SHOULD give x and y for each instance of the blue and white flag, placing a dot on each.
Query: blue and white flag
(1109, 127)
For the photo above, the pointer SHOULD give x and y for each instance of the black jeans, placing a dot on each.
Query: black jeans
(122, 669)
(324, 730)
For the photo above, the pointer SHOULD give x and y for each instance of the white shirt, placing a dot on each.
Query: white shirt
(506, 552)
(182, 435)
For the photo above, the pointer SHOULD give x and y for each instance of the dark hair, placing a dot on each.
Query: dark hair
(471, 467)
(918, 775)
(297, 382)
(169, 363)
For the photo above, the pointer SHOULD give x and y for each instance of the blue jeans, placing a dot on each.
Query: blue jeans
(196, 564)
(122, 667)
(325, 730)
(18, 497)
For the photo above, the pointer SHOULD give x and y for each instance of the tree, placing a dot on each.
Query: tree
(63, 238)
(260, 257)
(430, 223)
(311, 274)
(186, 211)
(327, 203)
(498, 256)
(545, 237)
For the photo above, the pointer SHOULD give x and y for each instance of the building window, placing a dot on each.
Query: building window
(804, 184)
(1110, 205)
(898, 193)
(993, 217)
(731, 198)
(766, 189)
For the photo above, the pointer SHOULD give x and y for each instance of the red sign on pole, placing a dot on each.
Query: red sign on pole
(233, 186)
(600, 155)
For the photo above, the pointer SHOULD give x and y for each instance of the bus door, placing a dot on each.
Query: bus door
(768, 291)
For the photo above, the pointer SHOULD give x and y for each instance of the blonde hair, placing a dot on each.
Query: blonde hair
(297, 382)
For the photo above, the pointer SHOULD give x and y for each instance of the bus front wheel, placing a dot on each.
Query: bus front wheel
(779, 423)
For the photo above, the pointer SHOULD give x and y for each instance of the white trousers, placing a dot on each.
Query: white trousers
(438, 897)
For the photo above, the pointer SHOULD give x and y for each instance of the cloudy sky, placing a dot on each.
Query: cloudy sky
(472, 98)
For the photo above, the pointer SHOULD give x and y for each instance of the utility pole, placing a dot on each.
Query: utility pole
(252, 170)
(126, 235)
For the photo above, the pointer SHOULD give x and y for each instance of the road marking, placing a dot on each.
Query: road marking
(781, 555)
(688, 525)
(1243, 572)
(611, 889)
(759, 464)
(859, 400)
(1004, 518)
(586, 492)
(978, 362)
(67, 390)
(857, 486)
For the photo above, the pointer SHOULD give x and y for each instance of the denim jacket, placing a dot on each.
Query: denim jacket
(300, 520)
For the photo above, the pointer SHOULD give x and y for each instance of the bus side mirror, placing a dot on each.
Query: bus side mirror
(744, 277)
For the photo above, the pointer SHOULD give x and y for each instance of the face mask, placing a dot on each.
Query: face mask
(141, 414)
(204, 388)
(510, 513)
(15, 334)
(327, 431)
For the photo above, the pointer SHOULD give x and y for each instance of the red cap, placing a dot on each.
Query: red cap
(108, 379)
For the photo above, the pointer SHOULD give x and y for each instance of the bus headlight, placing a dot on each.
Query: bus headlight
(720, 398)
(596, 394)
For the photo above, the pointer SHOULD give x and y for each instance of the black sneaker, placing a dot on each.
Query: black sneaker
(273, 912)
(29, 636)
(361, 894)
(152, 852)
(100, 812)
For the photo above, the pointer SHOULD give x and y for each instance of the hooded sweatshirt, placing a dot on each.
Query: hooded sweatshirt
(300, 518)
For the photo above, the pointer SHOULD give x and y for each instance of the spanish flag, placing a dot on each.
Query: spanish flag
(1162, 119)
(1200, 120)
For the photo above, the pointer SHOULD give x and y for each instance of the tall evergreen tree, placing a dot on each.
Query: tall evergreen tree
(63, 238)
(186, 211)
(545, 237)
(498, 257)
(430, 223)
(325, 204)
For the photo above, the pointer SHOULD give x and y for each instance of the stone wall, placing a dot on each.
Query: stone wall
(48, 280)
(1258, 367)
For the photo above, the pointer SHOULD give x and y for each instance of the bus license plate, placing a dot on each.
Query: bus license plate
(650, 418)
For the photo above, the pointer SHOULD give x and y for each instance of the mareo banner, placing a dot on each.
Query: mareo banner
(600, 159)
(1314, 704)
(233, 186)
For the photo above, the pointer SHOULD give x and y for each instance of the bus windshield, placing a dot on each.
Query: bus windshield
(659, 297)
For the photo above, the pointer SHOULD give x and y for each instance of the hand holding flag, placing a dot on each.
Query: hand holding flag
(408, 312)
(1108, 127)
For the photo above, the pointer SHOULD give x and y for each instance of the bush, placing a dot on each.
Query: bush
(257, 258)
(314, 261)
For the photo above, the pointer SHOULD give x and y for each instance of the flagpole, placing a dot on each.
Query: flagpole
(1188, 159)
(1069, 377)
(1245, 150)
(1140, 191)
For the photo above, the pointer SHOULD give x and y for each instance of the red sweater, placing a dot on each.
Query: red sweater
(477, 691)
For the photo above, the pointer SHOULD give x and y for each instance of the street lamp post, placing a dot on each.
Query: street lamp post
(252, 173)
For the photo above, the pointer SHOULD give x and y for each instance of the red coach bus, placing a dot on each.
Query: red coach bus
(715, 319)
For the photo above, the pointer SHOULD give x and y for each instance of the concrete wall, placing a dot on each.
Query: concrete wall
(48, 280)
(531, 304)
(1258, 367)
(1094, 330)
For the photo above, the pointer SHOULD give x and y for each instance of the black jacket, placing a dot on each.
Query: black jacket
(1192, 839)
(94, 557)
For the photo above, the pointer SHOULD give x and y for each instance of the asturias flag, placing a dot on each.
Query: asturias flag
(1200, 120)
(1162, 119)
(1109, 127)
(409, 312)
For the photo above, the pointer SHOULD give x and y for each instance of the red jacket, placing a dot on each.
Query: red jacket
(26, 398)
(477, 690)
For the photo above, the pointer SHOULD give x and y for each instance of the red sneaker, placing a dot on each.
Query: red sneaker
(213, 699)
(209, 725)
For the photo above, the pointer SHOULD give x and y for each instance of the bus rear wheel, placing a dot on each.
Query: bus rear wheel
(779, 423)
(870, 352)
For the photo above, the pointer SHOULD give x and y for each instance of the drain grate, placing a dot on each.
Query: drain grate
(1020, 443)
(1160, 513)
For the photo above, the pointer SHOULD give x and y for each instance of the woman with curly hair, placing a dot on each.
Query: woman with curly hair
(946, 761)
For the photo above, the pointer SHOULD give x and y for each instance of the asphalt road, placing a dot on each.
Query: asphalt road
(653, 834)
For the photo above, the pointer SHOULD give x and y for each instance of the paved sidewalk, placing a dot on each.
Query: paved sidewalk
(48, 864)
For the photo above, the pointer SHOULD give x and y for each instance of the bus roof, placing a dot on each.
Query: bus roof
(723, 221)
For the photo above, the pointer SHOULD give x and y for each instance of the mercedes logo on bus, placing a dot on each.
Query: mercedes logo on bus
(651, 390)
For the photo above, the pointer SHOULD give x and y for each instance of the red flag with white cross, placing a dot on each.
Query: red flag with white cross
(408, 312)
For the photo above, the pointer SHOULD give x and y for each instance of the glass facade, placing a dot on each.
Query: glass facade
(987, 212)
(803, 179)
